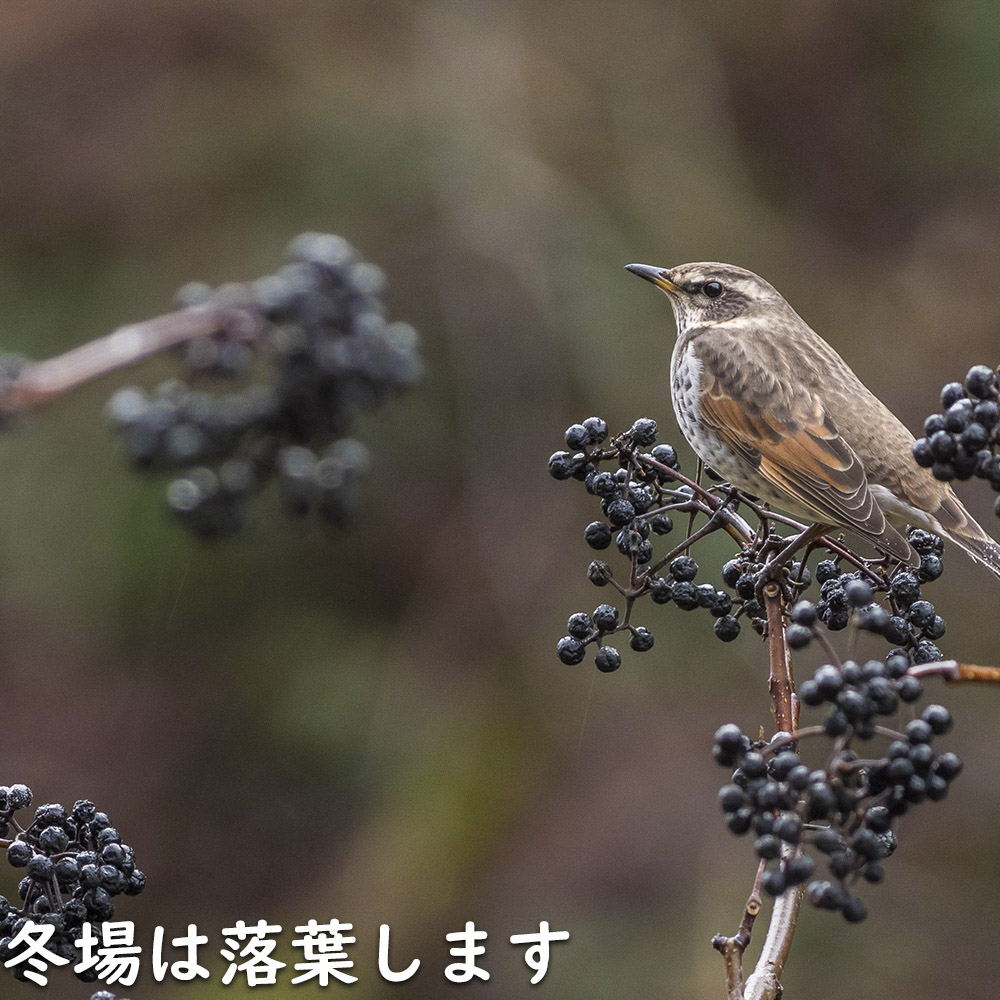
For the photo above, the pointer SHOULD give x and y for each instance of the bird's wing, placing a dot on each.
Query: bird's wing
(797, 449)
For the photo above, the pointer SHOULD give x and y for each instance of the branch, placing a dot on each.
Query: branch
(765, 981)
(732, 948)
(781, 683)
(40, 381)
(954, 672)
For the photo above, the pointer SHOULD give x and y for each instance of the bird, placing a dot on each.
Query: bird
(770, 406)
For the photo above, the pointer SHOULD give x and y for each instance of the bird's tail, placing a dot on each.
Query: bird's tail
(971, 537)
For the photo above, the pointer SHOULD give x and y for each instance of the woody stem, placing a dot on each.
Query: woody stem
(764, 983)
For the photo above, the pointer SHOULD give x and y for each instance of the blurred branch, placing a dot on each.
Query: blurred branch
(40, 381)
(954, 672)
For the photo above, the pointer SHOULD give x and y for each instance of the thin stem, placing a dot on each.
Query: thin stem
(792, 737)
(697, 479)
(713, 524)
(781, 683)
(957, 673)
(820, 636)
(732, 948)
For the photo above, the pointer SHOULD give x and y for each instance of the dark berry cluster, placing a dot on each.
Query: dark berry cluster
(639, 497)
(327, 354)
(840, 815)
(74, 865)
(964, 440)
(744, 574)
(642, 498)
(892, 607)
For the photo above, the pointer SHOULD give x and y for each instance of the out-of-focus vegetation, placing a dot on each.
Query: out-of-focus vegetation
(374, 726)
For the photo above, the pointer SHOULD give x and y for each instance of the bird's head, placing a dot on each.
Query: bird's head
(708, 293)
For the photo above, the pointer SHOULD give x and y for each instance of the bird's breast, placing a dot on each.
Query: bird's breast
(686, 371)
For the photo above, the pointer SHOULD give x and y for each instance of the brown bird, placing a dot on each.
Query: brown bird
(772, 407)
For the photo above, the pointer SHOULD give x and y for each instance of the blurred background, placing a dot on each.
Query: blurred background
(374, 726)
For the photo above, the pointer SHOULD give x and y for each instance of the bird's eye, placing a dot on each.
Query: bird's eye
(712, 289)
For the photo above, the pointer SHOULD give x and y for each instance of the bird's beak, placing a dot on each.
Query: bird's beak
(659, 276)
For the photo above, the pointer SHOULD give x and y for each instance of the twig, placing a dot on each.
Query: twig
(40, 381)
(954, 672)
(732, 948)
(697, 479)
(781, 683)
(765, 981)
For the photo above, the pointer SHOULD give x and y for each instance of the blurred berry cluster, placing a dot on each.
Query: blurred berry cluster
(841, 814)
(327, 354)
(641, 497)
(964, 440)
(74, 865)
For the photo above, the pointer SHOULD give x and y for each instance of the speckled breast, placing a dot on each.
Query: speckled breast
(685, 391)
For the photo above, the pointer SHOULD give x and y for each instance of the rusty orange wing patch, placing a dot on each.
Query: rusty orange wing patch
(798, 450)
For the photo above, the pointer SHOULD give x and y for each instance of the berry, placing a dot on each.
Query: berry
(826, 570)
(798, 636)
(727, 628)
(729, 738)
(608, 659)
(811, 694)
(829, 841)
(804, 613)
(858, 593)
(643, 432)
(938, 719)
(597, 429)
(620, 512)
(923, 453)
(571, 651)
(981, 382)
(799, 870)
(598, 535)
(731, 798)
(683, 568)
(774, 883)
(951, 394)
(605, 617)
(642, 640)
(577, 437)
(740, 821)
(752, 765)
(685, 596)
(19, 854)
(948, 766)
(768, 847)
